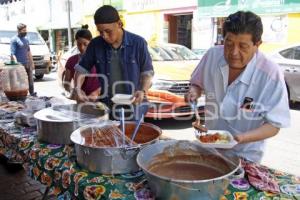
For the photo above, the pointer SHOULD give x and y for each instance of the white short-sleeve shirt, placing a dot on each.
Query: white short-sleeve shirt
(256, 97)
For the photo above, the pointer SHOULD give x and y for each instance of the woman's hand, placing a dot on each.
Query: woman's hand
(78, 95)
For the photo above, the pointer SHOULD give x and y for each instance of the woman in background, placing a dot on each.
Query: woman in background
(91, 83)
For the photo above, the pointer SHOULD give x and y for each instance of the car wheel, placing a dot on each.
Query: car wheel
(40, 76)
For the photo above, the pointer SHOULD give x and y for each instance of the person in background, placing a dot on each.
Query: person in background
(90, 86)
(121, 59)
(20, 52)
(245, 91)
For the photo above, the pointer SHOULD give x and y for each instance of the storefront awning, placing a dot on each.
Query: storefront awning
(222, 8)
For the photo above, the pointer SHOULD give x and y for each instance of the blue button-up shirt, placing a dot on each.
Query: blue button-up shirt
(19, 46)
(261, 84)
(135, 60)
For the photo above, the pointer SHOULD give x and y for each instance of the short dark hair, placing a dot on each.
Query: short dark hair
(21, 26)
(244, 22)
(106, 15)
(83, 33)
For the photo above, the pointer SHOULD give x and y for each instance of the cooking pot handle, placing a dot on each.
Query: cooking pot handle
(86, 151)
(128, 152)
(238, 174)
(186, 188)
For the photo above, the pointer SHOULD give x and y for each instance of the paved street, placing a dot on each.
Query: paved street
(16, 185)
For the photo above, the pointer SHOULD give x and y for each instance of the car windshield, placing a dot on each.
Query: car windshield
(154, 55)
(33, 38)
(181, 52)
(291, 53)
(161, 53)
(169, 53)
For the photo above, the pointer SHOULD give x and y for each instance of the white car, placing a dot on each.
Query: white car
(39, 50)
(289, 60)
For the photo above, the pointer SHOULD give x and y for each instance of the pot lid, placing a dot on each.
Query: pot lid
(78, 138)
(51, 115)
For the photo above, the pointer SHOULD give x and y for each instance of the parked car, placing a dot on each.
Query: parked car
(199, 52)
(170, 83)
(289, 60)
(177, 52)
(39, 50)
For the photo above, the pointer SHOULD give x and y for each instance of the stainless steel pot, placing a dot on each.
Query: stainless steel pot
(55, 125)
(113, 160)
(169, 188)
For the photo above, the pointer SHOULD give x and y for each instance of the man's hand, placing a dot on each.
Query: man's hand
(193, 94)
(198, 126)
(138, 96)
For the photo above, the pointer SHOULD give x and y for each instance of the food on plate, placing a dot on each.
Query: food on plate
(214, 138)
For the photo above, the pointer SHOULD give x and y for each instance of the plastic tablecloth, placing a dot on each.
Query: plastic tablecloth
(56, 167)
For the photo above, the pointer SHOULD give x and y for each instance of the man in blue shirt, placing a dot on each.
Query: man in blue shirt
(20, 52)
(122, 60)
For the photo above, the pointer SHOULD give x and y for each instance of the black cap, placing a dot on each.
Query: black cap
(106, 15)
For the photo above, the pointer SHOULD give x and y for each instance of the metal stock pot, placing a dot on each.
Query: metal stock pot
(117, 159)
(55, 125)
(166, 187)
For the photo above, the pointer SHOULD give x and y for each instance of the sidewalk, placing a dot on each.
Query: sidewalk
(283, 150)
(18, 186)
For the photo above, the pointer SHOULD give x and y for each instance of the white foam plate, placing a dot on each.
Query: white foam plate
(125, 99)
(222, 145)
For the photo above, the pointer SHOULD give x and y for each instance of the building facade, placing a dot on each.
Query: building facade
(281, 19)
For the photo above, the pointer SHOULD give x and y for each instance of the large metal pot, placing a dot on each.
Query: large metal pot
(113, 160)
(166, 188)
(55, 125)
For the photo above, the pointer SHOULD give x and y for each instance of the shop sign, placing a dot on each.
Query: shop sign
(118, 4)
(148, 5)
(222, 8)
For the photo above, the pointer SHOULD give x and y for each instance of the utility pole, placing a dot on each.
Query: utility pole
(7, 12)
(50, 32)
(69, 24)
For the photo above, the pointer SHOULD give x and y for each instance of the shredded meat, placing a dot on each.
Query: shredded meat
(212, 138)
(106, 136)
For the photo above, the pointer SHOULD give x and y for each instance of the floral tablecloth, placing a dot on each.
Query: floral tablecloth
(56, 167)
